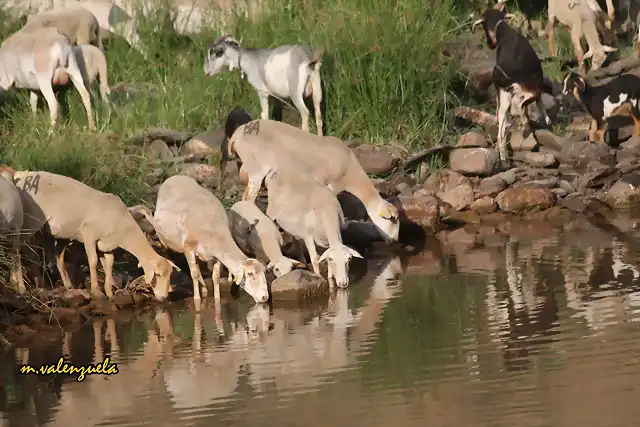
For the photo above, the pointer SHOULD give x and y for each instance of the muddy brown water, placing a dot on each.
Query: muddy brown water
(540, 329)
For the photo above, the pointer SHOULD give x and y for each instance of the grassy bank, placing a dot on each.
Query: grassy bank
(384, 74)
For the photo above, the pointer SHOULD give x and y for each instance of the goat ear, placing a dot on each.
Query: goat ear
(148, 276)
(509, 16)
(271, 265)
(476, 23)
(299, 264)
(609, 48)
(580, 84)
(324, 256)
(353, 252)
(173, 265)
(588, 55)
(501, 5)
(252, 226)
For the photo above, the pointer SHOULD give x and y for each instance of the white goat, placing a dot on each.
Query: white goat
(286, 72)
(11, 218)
(92, 64)
(75, 211)
(309, 211)
(581, 18)
(38, 58)
(74, 21)
(192, 221)
(266, 145)
(254, 232)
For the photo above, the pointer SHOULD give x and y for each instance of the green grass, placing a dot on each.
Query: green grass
(384, 74)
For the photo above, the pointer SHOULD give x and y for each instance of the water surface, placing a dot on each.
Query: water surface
(539, 329)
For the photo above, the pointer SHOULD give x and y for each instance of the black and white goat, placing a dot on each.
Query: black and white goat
(618, 97)
(517, 73)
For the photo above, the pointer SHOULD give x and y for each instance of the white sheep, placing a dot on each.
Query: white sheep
(11, 218)
(580, 18)
(309, 211)
(73, 210)
(254, 232)
(266, 145)
(36, 59)
(192, 221)
(74, 21)
(92, 63)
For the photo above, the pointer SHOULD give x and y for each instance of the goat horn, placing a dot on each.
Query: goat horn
(476, 23)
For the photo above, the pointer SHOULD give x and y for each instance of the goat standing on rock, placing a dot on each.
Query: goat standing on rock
(517, 73)
(620, 96)
(286, 72)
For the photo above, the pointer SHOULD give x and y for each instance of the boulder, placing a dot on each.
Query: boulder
(491, 186)
(472, 138)
(204, 144)
(200, 172)
(484, 205)
(421, 209)
(451, 187)
(159, 150)
(473, 161)
(583, 155)
(375, 160)
(299, 285)
(519, 143)
(541, 160)
(625, 193)
(525, 198)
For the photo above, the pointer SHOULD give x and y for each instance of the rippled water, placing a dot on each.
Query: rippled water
(538, 329)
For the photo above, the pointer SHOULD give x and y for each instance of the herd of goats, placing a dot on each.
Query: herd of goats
(302, 172)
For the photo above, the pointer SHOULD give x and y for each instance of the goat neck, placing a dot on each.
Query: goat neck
(332, 223)
(225, 250)
(249, 67)
(136, 243)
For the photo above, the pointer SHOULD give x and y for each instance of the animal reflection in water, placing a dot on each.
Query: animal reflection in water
(281, 350)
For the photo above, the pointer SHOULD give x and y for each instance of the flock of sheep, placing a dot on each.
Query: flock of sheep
(302, 172)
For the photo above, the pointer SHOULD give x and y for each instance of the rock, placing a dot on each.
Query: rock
(626, 154)
(628, 165)
(159, 150)
(550, 182)
(451, 188)
(384, 187)
(484, 205)
(299, 284)
(123, 298)
(65, 315)
(375, 160)
(519, 143)
(200, 172)
(566, 185)
(579, 155)
(421, 209)
(631, 144)
(542, 160)
(559, 192)
(466, 217)
(472, 138)
(509, 176)
(549, 140)
(491, 186)
(473, 161)
(76, 297)
(525, 198)
(204, 144)
(625, 193)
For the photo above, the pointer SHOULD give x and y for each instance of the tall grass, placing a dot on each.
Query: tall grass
(384, 73)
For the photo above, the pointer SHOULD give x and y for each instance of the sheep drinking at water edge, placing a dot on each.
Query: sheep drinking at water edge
(286, 72)
(267, 145)
(192, 221)
(74, 211)
(309, 211)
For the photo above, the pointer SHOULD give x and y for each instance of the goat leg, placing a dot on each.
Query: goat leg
(593, 130)
(505, 98)
(313, 254)
(107, 265)
(576, 35)
(190, 255)
(62, 269)
(264, 105)
(92, 258)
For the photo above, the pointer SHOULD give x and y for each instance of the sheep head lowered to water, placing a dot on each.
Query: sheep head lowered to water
(338, 258)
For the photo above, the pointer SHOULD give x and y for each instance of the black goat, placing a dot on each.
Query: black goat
(618, 97)
(517, 73)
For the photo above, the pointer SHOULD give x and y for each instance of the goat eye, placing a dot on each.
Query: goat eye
(218, 53)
